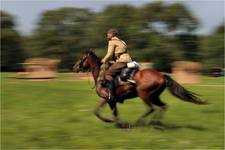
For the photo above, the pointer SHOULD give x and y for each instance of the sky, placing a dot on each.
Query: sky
(27, 12)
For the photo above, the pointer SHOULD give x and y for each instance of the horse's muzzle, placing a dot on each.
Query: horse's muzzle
(76, 69)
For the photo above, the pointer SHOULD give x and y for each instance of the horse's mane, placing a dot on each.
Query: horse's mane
(94, 56)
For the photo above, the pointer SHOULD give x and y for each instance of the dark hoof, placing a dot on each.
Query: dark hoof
(123, 125)
(139, 123)
(156, 124)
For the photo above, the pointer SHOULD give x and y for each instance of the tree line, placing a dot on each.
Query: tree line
(156, 32)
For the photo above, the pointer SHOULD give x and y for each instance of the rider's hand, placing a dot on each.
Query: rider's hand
(111, 62)
(102, 61)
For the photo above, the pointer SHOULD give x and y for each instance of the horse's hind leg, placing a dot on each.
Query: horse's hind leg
(157, 101)
(163, 107)
(150, 110)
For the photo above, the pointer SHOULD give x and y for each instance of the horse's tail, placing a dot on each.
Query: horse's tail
(177, 90)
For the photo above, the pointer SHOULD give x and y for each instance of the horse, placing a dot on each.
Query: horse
(149, 84)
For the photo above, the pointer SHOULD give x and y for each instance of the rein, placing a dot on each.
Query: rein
(89, 82)
(92, 71)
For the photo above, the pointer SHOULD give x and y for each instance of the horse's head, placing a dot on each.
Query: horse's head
(85, 62)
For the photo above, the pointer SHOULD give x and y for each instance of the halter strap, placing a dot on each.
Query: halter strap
(120, 41)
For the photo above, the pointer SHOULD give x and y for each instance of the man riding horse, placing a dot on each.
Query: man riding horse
(148, 84)
(117, 52)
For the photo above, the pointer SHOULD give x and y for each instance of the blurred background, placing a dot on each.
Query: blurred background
(160, 32)
(40, 38)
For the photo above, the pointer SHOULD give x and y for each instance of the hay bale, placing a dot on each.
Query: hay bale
(146, 65)
(186, 71)
(40, 68)
(82, 76)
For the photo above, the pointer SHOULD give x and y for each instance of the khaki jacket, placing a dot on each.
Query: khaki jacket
(117, 51)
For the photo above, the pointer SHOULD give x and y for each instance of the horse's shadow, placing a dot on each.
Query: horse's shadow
(159, 125)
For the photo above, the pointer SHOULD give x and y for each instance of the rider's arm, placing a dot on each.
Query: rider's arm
(110, 52)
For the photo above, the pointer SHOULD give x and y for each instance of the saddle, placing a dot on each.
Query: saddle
(127, 74)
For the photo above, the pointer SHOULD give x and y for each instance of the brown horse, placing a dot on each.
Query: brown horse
(149, 85)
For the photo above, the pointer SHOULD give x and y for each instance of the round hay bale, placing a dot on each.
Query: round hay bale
(40, 68)
(186, 71)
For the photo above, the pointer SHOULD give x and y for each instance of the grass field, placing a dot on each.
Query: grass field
(59, 114)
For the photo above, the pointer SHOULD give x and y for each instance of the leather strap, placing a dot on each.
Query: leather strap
(119, 54)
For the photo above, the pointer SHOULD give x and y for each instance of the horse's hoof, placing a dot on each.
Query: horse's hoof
(139, 123)
(123, 125)
(155, 122)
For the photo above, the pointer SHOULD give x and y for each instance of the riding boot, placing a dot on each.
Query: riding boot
(111, 87)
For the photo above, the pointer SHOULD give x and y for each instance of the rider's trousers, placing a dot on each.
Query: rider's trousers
(115, 69)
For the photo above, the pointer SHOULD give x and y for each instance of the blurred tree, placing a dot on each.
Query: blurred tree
(188, 45)
(149, 30)
(168, 29)
(178, 18)
(11, 49)
(145, 28)
(122, 17)
(167, 18)
(61, 34)
(213, 48)
(162, 51)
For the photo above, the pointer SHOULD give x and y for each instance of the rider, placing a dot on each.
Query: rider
(117, 51)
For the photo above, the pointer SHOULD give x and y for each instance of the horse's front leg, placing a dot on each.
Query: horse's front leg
(113, 107)
(115, 116)
(99, 108)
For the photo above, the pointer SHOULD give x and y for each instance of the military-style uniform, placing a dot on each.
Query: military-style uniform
(117, 51)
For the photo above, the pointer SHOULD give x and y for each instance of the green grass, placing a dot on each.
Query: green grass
(59, 114)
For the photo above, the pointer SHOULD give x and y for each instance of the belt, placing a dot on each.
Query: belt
(119, 54)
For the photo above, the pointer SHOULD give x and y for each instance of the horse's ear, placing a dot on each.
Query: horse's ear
(91, 50)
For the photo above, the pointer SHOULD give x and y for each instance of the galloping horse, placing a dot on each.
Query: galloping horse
(149, 85)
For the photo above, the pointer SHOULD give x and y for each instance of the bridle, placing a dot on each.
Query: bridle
(82, 60)
(81, 63)
(82, 69)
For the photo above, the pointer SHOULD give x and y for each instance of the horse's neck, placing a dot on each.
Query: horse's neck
(95, 69)
(95, 72)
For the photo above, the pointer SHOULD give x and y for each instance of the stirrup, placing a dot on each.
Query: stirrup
(110, 97)
(132, 81)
